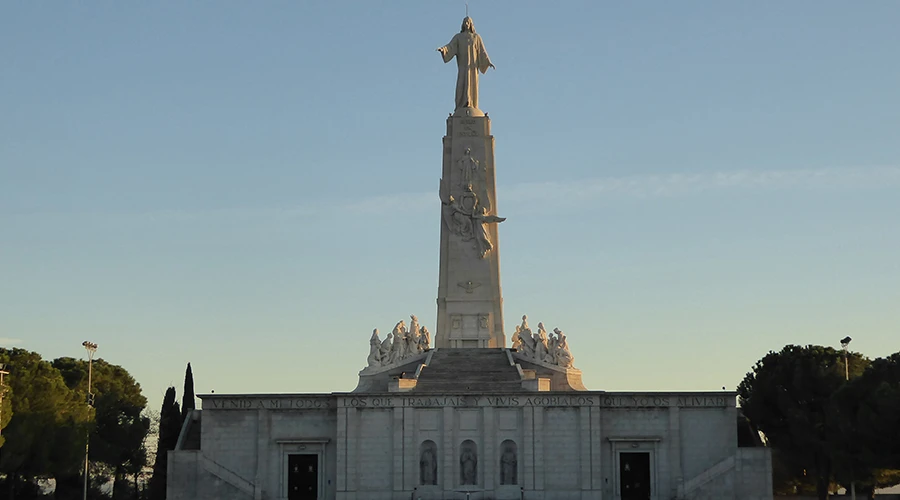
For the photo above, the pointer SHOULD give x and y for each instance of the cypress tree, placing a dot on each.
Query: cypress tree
(169, 428)
(187, 398)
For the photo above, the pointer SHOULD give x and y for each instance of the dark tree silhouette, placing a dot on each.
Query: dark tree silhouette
(169, 427)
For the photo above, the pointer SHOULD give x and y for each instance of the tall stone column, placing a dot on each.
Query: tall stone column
(470, 305)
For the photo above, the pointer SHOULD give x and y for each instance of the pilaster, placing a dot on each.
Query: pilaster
(489, 440)
(398, 448)
(448, 481)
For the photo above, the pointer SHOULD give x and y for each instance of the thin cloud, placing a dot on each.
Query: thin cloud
(9, 342)
(570, 192)
(681, 184)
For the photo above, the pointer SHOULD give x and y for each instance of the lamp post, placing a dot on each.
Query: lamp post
(845, 343)
(2, 392)
(91, 349)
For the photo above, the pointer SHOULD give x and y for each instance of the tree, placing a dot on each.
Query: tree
(787, 397)
(169, 428)
(187, 399)
(46, 434)
(6, 410)
(865, 416)
(117, 440)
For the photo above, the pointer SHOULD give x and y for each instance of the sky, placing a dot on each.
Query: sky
(251, 187)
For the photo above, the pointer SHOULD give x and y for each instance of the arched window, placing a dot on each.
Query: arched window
(428, 458)
(468, 463)
(509, 462)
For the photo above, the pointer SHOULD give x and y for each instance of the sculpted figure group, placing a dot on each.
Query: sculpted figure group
(400, 344)
(552, 349)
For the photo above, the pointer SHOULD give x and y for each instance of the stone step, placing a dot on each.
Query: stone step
(469, 370)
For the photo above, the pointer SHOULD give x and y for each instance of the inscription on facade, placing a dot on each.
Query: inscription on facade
(500, 401)
(637, 401)
(467, 128)
(269, 404)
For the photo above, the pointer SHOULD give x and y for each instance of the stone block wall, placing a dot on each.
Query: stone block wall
(753, 474)
(566, 446)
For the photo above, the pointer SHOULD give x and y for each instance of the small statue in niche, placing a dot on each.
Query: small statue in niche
(468, 464)
(509, 464)
(428, 464)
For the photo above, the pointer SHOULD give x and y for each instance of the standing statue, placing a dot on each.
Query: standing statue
(399, 349)
(509, 464)
(413, 325)
(471, 57)
(542, 348)
(374, 358)
(428, 464)
(468, 464)
(527, 339)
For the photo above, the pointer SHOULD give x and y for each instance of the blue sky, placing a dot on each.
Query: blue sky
(251, 187)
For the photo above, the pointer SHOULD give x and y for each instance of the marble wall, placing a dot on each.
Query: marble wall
(552, 445)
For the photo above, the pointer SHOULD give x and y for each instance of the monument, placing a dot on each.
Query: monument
(469, 301)
(469, 417)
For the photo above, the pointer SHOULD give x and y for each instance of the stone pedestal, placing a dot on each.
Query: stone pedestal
(470, 312)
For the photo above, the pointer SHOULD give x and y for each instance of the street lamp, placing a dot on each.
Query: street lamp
(845, 343)
(2, 391)
(91, 349)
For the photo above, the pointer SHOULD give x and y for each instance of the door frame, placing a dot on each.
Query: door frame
(636, 445)
(302, 447)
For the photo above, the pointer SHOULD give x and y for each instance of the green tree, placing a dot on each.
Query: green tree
(169, 428)
(46, 433)
(865, 416)
(117, 440)
(6, 410)
(787, 397)
(187, 398)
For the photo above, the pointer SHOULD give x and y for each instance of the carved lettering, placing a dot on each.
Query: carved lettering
(499, 401)
(269, 403)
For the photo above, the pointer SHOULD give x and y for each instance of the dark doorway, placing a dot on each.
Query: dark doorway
(303, 477)
(634, 475)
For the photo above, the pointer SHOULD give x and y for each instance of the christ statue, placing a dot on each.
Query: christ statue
(471, 57)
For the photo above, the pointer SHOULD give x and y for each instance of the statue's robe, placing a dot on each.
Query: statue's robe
(470, 59)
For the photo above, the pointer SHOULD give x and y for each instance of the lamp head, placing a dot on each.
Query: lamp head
(845, 342)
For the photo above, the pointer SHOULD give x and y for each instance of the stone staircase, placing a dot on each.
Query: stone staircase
(469, 370)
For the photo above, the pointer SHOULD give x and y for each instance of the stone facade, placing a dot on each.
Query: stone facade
(543, 445)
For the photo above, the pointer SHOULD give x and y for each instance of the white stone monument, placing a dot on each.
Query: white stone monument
(469, 418)
(470, 305)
